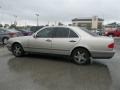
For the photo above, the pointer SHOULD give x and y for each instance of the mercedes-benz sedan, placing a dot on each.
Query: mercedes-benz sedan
(81, 45)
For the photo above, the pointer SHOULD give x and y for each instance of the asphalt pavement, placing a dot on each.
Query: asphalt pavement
(45, 72)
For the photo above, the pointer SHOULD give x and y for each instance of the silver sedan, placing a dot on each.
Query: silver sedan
(81, 45)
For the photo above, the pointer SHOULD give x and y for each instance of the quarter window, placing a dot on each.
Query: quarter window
(72, 34)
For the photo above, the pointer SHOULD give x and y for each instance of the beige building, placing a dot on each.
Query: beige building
(89, 23)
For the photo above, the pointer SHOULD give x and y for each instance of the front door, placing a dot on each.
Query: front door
(42, 42)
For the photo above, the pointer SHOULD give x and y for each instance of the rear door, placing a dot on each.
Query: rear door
(64, 39)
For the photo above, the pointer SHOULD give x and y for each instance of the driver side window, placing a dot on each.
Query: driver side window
(45, 33)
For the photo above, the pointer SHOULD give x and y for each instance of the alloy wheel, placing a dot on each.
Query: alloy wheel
(81, 56)
(18, 50)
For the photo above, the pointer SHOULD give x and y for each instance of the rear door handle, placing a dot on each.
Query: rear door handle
(48, 40)
(72, 41)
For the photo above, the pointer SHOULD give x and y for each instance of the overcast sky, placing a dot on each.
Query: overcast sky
(57, 10)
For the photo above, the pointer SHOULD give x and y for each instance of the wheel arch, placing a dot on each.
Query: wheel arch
(82, 48)
(16, 43)
(4, 38)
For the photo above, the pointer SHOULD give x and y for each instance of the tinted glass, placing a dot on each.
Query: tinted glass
(61, 32)
(45, 33)
(72, 34)
(89, 32)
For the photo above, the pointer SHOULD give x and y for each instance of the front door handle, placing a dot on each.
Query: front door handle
(72, 41)
(48, 40)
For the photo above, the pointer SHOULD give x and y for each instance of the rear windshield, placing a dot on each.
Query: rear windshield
(89, 32)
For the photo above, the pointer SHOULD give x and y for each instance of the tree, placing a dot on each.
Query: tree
(60, 24)
(13, 26)
(6, 25)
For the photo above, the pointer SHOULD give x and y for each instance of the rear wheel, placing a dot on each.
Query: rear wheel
(17, 50)
(81, 56)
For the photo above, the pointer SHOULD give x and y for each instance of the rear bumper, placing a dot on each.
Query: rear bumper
(102, 55)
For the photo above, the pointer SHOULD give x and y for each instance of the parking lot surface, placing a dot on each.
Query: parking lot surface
(45, 72)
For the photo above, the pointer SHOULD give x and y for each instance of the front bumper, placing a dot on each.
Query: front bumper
(102, 55)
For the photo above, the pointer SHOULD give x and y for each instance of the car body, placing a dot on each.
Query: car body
(25, 32)
(5, 34)
(65, 40)
(114, 33)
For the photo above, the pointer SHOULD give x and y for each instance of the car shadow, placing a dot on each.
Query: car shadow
(38, 59)
(60, 71)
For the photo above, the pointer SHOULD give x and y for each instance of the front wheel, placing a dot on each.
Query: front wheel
(81, 56)
(17, 50)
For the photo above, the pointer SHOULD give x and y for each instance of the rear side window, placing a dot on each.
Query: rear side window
(61, 32)
(73, 34)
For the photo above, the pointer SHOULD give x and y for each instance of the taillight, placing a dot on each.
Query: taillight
(112, 45)
(12, 34)
(106, 32)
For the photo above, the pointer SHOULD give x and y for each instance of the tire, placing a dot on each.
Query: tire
(17, 50)
(81, 56)
(5, 40)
